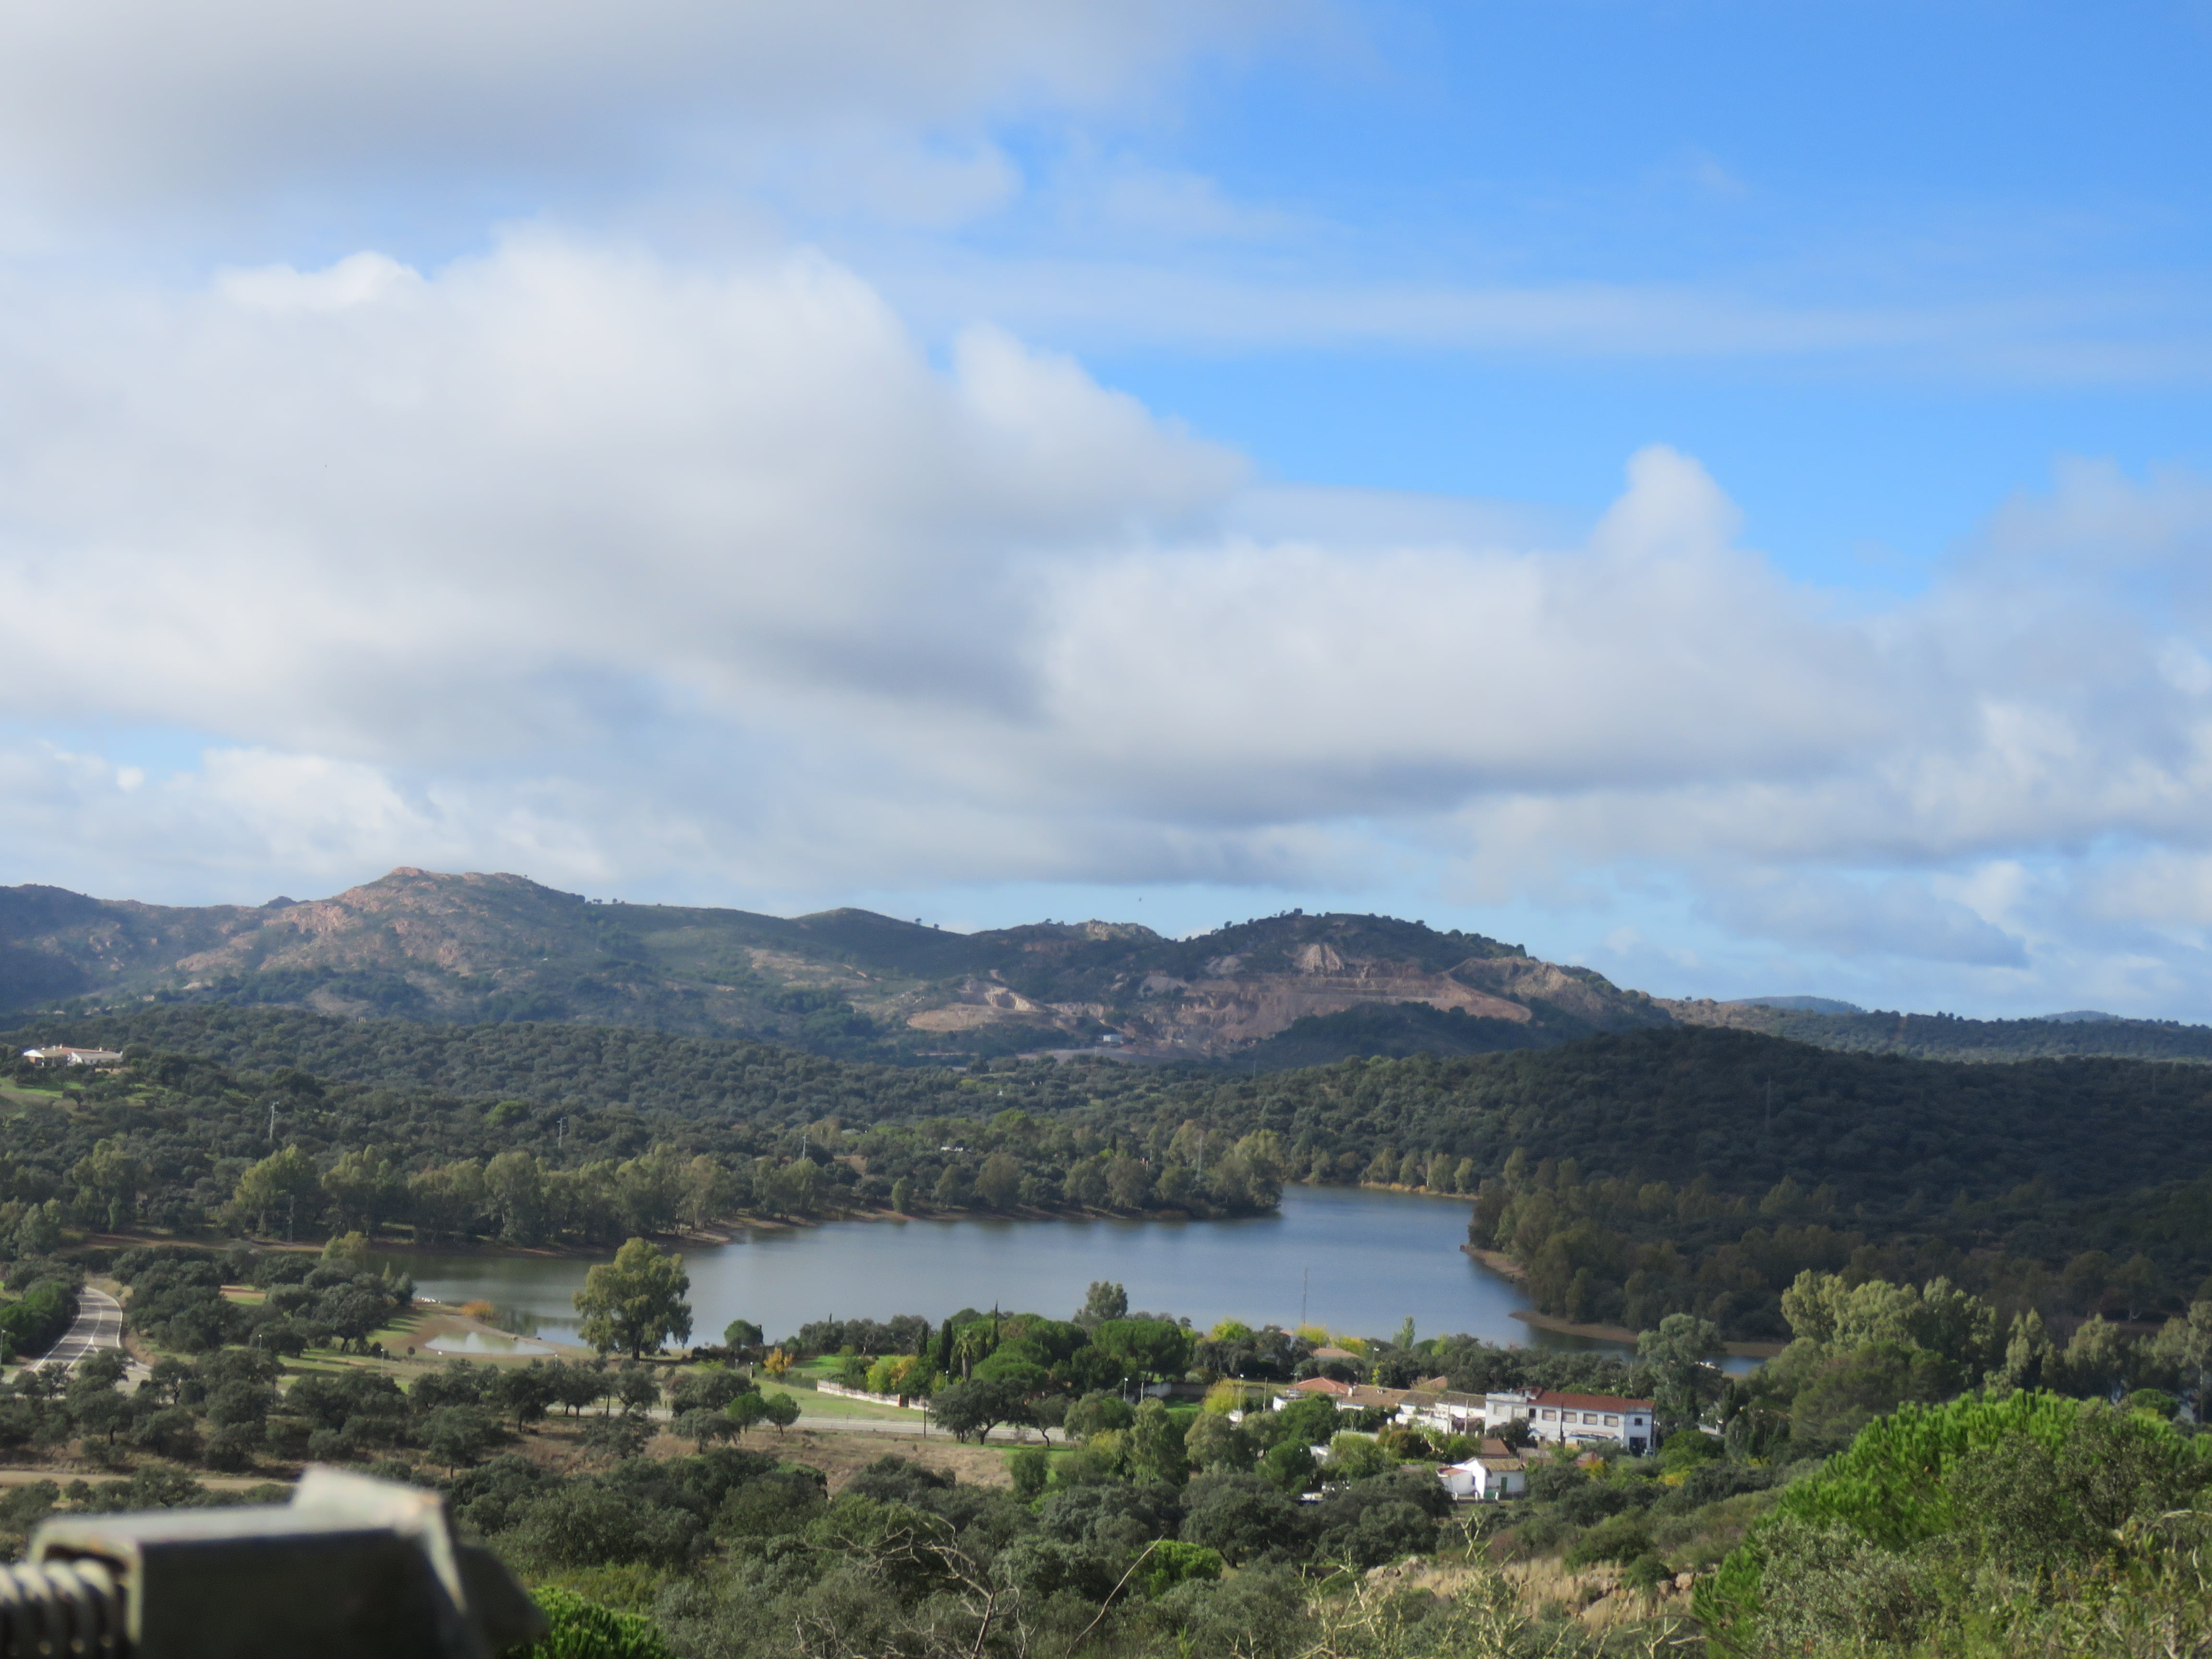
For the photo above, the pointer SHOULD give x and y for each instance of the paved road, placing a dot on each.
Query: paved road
(99, 1325)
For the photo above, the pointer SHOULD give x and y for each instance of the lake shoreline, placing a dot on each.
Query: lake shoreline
(730, 1231)
(1498, 1262)
(1355, 1261)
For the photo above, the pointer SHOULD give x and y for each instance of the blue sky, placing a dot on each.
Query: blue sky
(1719, 492)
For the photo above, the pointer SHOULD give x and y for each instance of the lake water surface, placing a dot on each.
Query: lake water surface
(1358, 1263)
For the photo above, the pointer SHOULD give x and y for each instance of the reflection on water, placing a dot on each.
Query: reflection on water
(1358, 1263)
(485, 1342)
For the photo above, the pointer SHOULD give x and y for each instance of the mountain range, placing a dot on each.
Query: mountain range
(1274, 992)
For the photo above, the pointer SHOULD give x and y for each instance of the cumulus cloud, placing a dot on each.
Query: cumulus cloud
(556, 496)
(601, 564)
(542, 495)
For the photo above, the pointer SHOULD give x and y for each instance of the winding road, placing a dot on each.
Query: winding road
(99, 1325)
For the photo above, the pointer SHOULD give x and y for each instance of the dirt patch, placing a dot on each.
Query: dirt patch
(841, 1456)
(1497, 1260)
(1596, 1596)
(557, 1443)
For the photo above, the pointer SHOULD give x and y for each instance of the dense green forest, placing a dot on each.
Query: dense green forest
(187, 1144)
(1701, 1169)
(574, 1065)
(1386, 1031)
(1684, 1170)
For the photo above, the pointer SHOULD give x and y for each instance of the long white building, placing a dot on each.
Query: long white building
(1568, 1419)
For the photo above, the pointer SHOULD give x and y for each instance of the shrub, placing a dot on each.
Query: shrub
(584, 1630)
(1621, 1538)
(1169, 1562)
(35, 1323)
(1030, 1467)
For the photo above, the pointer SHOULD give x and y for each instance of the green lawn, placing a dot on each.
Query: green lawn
(830, 1405)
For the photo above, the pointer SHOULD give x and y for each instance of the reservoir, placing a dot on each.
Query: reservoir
(1359, 1263)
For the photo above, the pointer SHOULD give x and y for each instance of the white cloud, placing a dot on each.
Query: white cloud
(1895, 917)
(539, 496)
(603, 565)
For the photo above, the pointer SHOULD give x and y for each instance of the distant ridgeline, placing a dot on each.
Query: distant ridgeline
(1275, 993)
(1675, 1169)
(1947, 1037)
(478, 949)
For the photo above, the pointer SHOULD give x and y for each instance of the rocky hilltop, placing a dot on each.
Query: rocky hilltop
(423, 946)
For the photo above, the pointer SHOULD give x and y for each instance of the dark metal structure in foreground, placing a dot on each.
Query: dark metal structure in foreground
(351, 1568)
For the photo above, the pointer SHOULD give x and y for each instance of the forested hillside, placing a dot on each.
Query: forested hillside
(1702, 1169)
(1682, 1169)
(573, 1064)
(191, 1146)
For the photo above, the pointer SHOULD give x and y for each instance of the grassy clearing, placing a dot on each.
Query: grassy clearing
(814, 1404)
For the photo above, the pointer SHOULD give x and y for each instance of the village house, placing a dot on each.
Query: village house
(1349, 1396)
(72, 1057)
(1314, 1388)
(1492, 1474)
(1572, 1419)
(1440, 1410)
(1365, 1397)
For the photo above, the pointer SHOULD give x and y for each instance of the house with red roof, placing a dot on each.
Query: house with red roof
(1312, 1387)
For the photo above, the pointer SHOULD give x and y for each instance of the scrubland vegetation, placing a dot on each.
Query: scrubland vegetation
(1910, 1476)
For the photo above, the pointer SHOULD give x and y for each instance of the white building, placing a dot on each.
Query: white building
(1492, 1474)
(1572, 1419)
(73, 1056)
(1442, 1411)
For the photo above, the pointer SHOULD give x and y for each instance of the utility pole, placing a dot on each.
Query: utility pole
(291, 1214)
(272, 1123)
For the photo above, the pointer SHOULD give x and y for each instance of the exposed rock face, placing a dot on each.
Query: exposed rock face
(1220, 993)
(1225, 1011)
(471, 924)
(477, 946)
